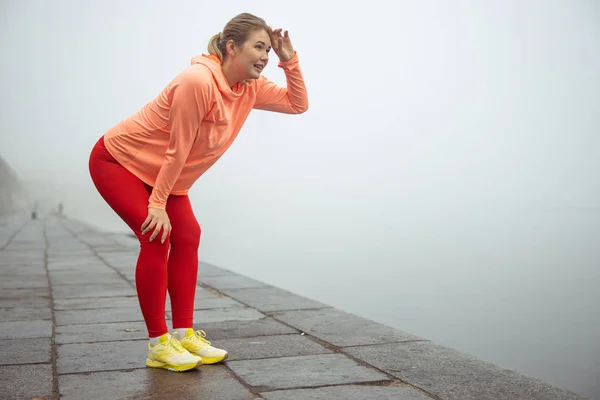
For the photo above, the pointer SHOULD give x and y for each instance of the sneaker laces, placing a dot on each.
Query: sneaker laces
(200, 335)
(175, 345)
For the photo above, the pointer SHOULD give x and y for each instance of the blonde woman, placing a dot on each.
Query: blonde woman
(144, 166)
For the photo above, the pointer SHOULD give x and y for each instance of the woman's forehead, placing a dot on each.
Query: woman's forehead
(259, 36)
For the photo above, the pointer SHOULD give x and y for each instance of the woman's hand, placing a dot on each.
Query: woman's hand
(157, 218)
(281, 44)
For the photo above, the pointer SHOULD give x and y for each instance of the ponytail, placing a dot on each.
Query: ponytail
(214, 46)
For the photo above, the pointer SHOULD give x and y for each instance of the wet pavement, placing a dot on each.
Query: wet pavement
(72, 329)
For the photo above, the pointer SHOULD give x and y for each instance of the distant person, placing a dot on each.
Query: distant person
(145, 165)
(34, 210)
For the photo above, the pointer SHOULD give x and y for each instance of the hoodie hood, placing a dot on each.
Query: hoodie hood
(214, 65)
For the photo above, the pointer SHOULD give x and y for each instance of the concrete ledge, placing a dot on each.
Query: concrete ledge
(71, 322)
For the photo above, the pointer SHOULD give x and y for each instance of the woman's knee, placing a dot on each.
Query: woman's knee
(156, 243)
(188, 235)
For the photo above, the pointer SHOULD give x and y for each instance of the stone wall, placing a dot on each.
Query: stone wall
(12, 191)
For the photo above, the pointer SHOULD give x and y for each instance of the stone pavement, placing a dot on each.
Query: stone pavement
(72, 329)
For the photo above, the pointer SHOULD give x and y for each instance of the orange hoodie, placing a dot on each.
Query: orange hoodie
(180, 134)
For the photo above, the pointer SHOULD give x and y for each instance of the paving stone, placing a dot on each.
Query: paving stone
(109, 246)
(226, 314)
(213, 382)
(304, 371)
(244, 329)
(128, 242)
(341, 328)
(23, 281)
(25, 329)
(102, 356)
(101, 315)
(120, 259)
(125, 256)
(127, 272)
(206, 293)
(69, 253)
(13, 270)
(117, 253)
(215, 302)
(349, 392)
(27, 247)
(13, 259)
(25, 314)
(269, 299)
(93, 290)
(206, 299)
(70, 257)
(72, 254)
(95, 303)
(64, 247)
(75, 260)
(26, 351)
(26, 381)
(230, 282)
(17, 262)
(82, 266)
(129, 275)
(206, 269)
(21, 266)
(59, 237)
(270, 346)
(97, 240)
(34, 249)
(105, 277)
(34, 297)
(101, 332)
(452, 375)
(74, 225)
(18, 267)
(123, 263)
(65, 242)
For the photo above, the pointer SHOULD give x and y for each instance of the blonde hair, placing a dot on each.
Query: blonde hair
(237, 29)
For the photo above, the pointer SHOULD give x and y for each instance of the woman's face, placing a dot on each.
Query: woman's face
(252, 58)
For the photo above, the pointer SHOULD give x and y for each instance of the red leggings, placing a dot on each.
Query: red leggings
(158, 269)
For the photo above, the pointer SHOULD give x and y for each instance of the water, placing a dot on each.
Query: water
(518, 288)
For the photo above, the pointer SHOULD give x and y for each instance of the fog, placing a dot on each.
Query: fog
(445, 180)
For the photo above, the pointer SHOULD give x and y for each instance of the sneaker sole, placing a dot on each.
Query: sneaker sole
(214, 360)
(170, 367)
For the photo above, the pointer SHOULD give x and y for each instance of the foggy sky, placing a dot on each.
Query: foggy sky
(424, 102)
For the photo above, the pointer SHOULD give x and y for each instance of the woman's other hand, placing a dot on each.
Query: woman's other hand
(158, 220)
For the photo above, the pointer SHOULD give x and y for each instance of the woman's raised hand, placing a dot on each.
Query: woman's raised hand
(281, 44)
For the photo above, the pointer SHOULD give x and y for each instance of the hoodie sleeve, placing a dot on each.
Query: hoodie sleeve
(292, 99)
(190, 102)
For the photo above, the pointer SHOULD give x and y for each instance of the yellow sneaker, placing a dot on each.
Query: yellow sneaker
(169, 354)
(195, 343)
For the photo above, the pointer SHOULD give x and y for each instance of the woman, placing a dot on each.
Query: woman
(145, 165)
